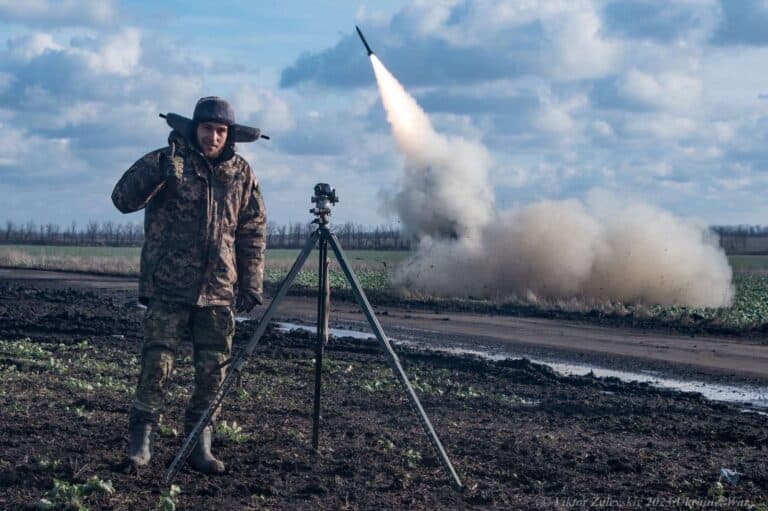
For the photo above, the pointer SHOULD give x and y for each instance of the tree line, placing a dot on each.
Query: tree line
(291, 235)
(741, 230)
(131, 234)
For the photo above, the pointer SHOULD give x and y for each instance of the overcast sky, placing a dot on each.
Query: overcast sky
(663, 101)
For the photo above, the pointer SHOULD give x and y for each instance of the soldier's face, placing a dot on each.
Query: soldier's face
(211, 137)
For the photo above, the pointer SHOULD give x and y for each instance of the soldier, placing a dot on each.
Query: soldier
(203, 252)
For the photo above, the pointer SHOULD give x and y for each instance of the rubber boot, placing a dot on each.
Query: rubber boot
(201, 458)
(141, 425)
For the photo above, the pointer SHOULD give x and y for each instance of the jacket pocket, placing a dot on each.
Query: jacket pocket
(177, 272)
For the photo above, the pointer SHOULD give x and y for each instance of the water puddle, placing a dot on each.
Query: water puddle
(751, 395)
(754, 395)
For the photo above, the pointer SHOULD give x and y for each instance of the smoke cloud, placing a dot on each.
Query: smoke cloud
(602, 249)
(445, 191)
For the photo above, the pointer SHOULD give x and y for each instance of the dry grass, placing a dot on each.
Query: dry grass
(91, 264)
(129, 265)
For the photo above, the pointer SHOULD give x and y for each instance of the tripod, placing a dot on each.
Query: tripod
(323, 236)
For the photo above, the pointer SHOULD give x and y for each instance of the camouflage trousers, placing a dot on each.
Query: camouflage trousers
(165, 323)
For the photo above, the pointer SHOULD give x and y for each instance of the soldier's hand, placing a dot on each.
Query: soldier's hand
(169, 168)
(247, 301)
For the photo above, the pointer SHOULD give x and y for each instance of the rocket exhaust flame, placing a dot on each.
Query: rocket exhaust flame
(603, 249)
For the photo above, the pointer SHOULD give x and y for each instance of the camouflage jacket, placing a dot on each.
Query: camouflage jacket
(204, 224)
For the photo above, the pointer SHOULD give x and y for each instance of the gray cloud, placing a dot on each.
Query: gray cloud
(84, 109)
(748, 148)
(418, 62)
(656, 20)
(742, 22)
(58, 13)
(79, 112)
(423, 59)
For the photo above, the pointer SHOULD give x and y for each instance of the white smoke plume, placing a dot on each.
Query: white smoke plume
(602, 249)
(445, 191)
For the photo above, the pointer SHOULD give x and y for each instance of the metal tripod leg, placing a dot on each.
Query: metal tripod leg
(237, 364)
(394, 361)
(323, 304)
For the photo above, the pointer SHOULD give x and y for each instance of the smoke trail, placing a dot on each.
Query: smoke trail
(445, 191)
(604, 249)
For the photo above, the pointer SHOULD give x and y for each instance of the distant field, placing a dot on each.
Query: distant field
(374, 270)
(749, 263)
(59, 251)
(373, 267)
(383, 258)
(281, 256)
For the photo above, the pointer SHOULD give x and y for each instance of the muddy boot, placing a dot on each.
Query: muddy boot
(201, 458)
(141, 425)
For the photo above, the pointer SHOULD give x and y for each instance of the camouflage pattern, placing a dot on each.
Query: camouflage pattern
(204, 224)
(165, 323)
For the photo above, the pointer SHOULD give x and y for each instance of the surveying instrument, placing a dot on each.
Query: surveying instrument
(324, 198)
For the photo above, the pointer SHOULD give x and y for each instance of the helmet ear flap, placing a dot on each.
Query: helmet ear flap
(187, 127)
(245, 133)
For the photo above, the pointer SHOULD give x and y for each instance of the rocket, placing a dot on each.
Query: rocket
(362, 38)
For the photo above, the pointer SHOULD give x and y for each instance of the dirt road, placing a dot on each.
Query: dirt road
(702, 357)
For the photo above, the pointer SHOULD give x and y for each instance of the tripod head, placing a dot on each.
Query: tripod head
(324, 198)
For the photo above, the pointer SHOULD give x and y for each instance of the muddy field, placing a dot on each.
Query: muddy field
(520, 436)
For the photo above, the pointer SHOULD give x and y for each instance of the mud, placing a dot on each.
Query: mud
(730, 360)
(520, 436)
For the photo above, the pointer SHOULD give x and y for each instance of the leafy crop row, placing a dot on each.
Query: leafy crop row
(749, 309)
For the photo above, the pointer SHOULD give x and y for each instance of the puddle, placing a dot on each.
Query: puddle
(756, 396)
(750, 395)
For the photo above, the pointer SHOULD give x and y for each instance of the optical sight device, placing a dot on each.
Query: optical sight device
(324, 198)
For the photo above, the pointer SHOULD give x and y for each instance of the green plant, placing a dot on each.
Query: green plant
(167, 431)
(56, 366)
(45, 464)
(716, 491)
(77, 384)
(168, 500)
(386, 444)
(515, 399)
(296, 433)
(71, 496)
(82, 345)
(231, 432)
(412, 457)
(243, 394)
(377, 385)
(24, 348)
(79, 411)
(108, 382)
(424, 386)
(468, 392)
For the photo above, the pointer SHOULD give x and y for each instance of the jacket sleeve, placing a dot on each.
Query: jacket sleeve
(140, 183)
(250, 239)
